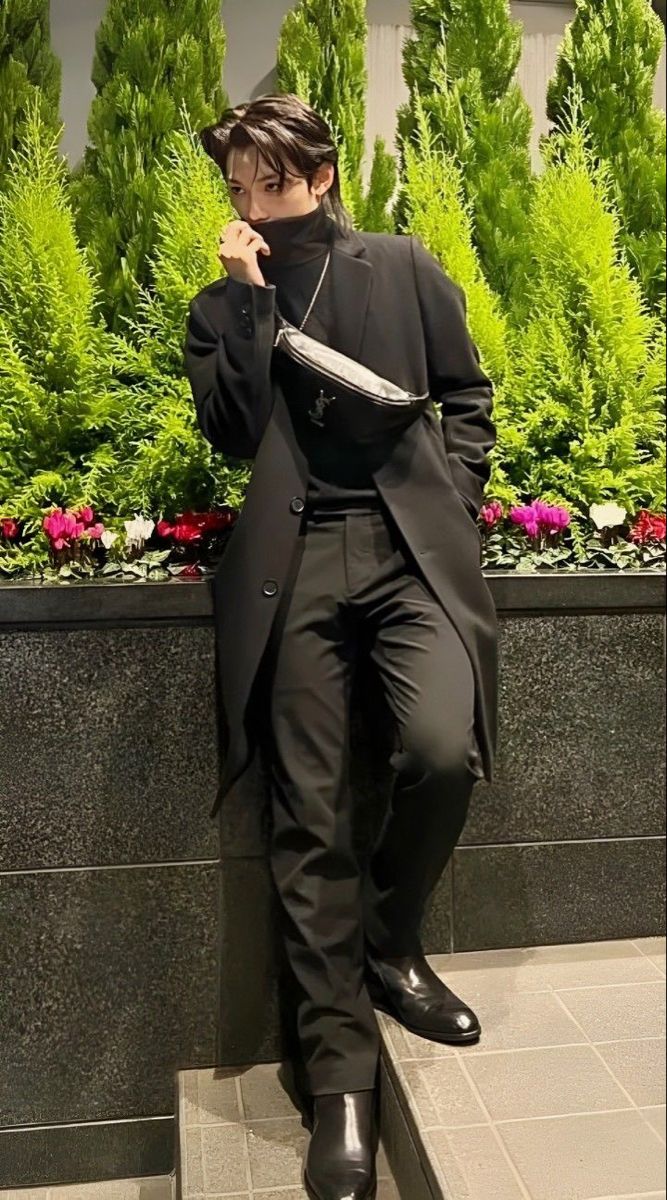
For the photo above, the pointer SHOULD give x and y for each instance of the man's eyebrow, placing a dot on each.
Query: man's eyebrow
(260, 178)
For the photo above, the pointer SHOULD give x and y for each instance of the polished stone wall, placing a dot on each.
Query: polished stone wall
(138, 937)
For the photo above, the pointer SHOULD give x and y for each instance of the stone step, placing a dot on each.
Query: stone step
(241, 1135)
(563, 1096)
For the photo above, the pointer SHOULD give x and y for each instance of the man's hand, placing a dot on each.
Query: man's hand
(239, 246)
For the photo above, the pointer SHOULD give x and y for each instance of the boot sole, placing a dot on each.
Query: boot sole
(451, 1038)
(313, 1195)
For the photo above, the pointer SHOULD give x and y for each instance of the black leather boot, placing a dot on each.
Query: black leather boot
(410, 991)
(340, 1161)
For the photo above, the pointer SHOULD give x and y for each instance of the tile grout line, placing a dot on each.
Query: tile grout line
(240, 1103)
(539, 989)
(417, 1135)
(426, 1141)
(523, 1186)
(608, 1068)
(22, 1128)
(182, 1136)
(474, 1053)
(129, 866)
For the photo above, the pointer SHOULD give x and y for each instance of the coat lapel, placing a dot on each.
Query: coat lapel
(351, 282)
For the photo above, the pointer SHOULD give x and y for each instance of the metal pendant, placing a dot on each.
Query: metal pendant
(317, 411)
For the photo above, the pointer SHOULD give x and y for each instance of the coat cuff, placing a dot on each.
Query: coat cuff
(259, 299)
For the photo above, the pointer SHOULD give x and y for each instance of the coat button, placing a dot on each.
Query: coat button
(297, 505)
(269, 587)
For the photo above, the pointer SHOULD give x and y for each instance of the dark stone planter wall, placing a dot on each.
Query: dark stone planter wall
(116, 905)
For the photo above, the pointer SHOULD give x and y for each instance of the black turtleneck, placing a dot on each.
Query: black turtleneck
(340, 480)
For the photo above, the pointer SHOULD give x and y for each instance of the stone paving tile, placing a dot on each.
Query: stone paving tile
(593, 1155)
(656, 1119)
(611, 1014)
(543, 968)
(471, 1162)
(544, 1083)
(639, 1066)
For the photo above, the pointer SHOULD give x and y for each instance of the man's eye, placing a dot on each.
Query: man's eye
(272, 185)
(235, 189)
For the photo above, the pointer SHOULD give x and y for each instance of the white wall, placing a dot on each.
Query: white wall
(252, 28)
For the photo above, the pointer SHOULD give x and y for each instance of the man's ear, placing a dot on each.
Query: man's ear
(323, 178)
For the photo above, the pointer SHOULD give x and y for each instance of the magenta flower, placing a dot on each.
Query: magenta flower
(62, 528)
(491, 513)
(540, 518)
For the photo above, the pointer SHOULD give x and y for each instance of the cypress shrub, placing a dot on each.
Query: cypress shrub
(152, 58)
(461, 62)
(322, 59)
(606, 72)
(29, 71)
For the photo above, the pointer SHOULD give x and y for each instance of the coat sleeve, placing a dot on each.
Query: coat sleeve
(227, 355)
(456, 379)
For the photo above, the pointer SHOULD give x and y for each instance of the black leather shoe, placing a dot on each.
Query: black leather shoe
(340, 1162)
(410, 991)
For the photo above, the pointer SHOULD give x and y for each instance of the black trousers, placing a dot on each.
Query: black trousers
(358, 590)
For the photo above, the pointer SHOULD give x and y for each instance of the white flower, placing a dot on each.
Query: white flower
(138, 530)
(607, 516)
(108, 538)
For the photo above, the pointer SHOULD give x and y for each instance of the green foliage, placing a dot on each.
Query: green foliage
(461, 63)
(55, 361)
(585, 380)
(86, 416)
(377, 216)
(153, 458)
(29, 71)
(434, 208)
(322, 59)
(605, 73)
(153, 58)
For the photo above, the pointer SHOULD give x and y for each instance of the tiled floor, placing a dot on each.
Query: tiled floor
(563, 1098)
(243, 1138)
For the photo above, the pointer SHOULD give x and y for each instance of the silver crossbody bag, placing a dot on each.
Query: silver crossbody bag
(339, 394)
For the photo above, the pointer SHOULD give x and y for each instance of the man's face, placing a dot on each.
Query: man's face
(254, 188)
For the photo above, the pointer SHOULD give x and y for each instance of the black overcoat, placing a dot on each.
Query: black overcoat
(396, 311)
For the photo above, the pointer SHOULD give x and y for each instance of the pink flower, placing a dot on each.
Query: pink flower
(62, 527)
(491, 513)
(93, 531)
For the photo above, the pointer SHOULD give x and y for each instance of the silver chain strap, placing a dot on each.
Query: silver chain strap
(317, 290)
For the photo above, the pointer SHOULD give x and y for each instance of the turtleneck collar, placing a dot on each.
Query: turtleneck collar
(294, 240)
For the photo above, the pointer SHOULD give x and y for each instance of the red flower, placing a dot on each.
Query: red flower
(648, 527)
(191, 526)
(9, 528)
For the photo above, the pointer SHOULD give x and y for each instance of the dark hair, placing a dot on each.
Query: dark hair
(287, 133)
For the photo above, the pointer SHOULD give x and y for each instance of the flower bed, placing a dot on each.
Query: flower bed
(536, 536)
